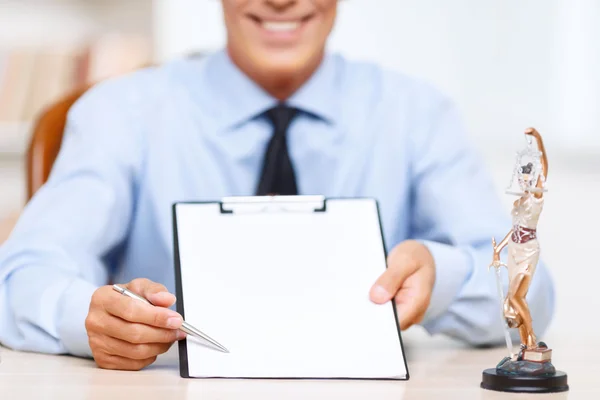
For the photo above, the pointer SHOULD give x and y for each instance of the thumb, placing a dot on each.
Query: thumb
(156, 293)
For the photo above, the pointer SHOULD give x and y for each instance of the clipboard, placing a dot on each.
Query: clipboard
(283, 282)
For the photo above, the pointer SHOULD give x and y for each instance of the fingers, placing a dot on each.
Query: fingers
(121, 348)
(387, 285)
(128, 334)
(133, 310)
(156, 293)
(413, 299)
(135, 333)
(112, 362)
(409, 278)
(161, 299)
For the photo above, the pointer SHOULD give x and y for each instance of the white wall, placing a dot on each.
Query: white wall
(62, 25)
(69, 22)
(509, 64)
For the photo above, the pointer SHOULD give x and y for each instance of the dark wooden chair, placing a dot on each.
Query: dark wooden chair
(46, 139)
(44, 145)
(47, 134)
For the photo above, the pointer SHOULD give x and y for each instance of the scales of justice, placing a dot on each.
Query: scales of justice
(531, 369)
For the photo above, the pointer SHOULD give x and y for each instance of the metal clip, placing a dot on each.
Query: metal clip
(261, 204)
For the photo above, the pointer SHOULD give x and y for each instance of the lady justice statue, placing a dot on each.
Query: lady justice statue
(531, 369)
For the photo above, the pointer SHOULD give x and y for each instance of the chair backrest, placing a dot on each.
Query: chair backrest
(47, 135)
(46, 140)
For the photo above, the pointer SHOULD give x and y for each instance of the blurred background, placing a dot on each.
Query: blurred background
(508, 64)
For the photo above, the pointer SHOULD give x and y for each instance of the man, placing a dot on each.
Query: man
(271, 113)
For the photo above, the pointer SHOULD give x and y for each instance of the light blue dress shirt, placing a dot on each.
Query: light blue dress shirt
(191, 130)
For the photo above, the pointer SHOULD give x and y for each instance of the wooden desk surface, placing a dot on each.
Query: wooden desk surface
(439, 368)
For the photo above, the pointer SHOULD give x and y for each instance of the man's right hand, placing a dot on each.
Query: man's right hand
(128, 334)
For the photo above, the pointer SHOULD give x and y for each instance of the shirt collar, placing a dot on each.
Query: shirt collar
(237, 99)
(319, 95)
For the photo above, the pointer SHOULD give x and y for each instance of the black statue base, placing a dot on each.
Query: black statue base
(522, 376)
(554, 383)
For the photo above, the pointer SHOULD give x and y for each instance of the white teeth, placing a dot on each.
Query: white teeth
(280, 26)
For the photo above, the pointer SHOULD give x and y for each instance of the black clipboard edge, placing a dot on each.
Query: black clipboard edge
(393, 302)
(184, 371)
(295, 378)
(183, 360)
(182, 344)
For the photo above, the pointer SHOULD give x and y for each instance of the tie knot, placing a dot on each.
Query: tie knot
(281, 116)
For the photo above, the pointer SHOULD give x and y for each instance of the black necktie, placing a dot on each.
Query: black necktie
(278, 177)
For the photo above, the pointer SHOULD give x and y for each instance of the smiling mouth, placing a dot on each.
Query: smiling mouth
(276, 26)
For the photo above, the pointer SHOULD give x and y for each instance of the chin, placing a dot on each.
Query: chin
(283, 62)
(281, 69)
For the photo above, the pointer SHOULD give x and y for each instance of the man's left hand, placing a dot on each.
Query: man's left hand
(408, 279)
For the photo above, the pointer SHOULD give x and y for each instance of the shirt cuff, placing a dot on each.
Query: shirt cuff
(73, 310)
(453, 267)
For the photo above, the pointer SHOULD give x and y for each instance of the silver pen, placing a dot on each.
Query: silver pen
(185, 327)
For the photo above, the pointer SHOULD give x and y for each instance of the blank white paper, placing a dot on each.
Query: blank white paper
(287, 293)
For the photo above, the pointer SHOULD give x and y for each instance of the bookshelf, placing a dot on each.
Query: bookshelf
(50, 47)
